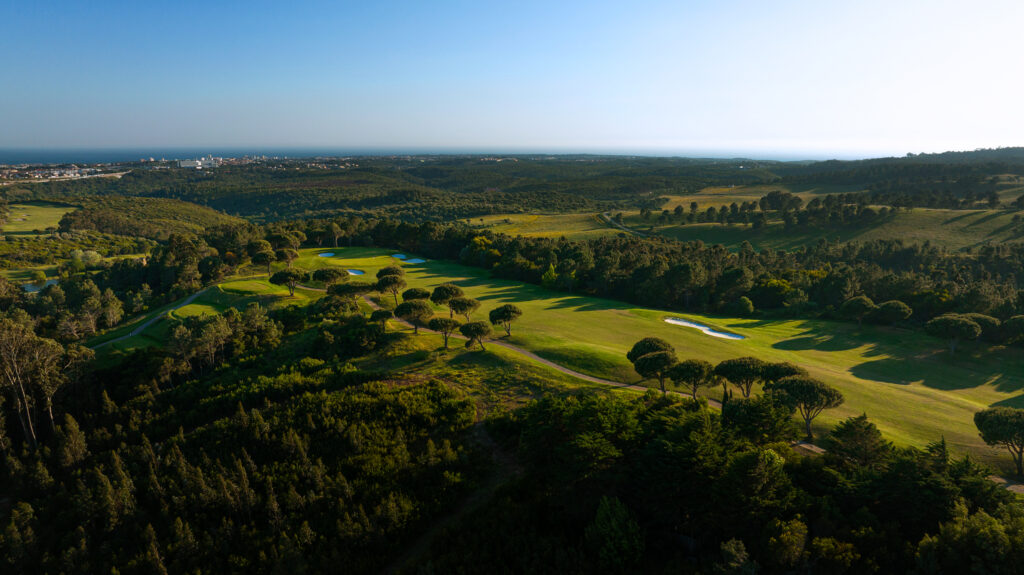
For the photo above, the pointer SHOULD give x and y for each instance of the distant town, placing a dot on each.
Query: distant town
(25, 173)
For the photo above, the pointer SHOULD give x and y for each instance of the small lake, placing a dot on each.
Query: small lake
(707, 330)
(326, 255)
(355, 272)
(33, 288)
(399, 256)
(414, 261)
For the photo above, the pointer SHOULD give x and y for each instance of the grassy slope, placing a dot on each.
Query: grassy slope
(26, 217)
(905, 381)
(952, 229)
(575, 226)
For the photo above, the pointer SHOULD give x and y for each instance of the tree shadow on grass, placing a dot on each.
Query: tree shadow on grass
(985, 218)
(1016, 402)
(941, 372)
(819, 342)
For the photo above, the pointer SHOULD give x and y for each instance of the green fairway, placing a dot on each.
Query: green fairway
(905, 381)
(25, 218)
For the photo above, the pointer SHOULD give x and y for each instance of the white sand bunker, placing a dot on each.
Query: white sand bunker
(707, 330)
(355, 272)
(326, 255)
(414, 261)
(399, 256)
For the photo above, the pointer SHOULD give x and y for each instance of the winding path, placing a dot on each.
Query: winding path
(156, 317)
(542, 361)
(608, 219)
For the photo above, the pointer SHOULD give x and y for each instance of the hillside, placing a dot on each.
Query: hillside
(155, 218)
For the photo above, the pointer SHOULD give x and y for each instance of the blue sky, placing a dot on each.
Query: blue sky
(761, 78)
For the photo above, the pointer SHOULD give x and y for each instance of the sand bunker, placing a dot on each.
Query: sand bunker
(707, 330)
(355, 272)
(326, 255)
(415, 261)
(399, 256)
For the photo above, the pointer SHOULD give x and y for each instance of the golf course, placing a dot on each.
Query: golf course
(907, 382)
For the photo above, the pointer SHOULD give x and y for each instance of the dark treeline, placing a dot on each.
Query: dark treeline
(662, 485)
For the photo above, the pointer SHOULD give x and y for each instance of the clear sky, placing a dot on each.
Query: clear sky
(816, 78)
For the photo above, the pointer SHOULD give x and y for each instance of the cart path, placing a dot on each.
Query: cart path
(156, 317)
(546, 362)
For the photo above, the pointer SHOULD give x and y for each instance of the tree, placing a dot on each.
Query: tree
(391, 284)
(444, 293)
(892, 311)
(504, 316)
(776, 371)
(742, 307)
(444, 326)
(1004, 426)
(762, 419)
(648, 345)
(991, 328)
(415, 312)
(415, 293)
(1013, 329)
(381, 316)
(38, 278)
(351, 289)
(330, 276)
(656, 364)
(286, 255)
(614, 537)
(390, 271)
(334, 231)
(857, 308)
(264, 258)
(464, 306)
(855, 441)
(743, 372)
(809, 395)
(290, 278)
(32, 366)
(694, 374)
(953, 328)
(475, 332)
(71, 444)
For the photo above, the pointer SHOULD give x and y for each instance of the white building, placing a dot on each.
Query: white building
(207, 162)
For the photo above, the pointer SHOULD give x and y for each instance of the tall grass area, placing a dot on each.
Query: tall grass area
(904, 380)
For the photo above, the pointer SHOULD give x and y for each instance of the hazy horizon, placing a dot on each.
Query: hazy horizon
(793, 80)
(95, 155)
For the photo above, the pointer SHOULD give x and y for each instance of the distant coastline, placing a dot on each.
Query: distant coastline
(16, 156)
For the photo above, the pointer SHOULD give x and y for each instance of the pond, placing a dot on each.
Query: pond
(414, 261)
(707, 330)
(355, 272)
(326, 255)
(399, 256)
(33, 288)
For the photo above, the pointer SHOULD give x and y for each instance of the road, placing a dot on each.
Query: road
(607, 218)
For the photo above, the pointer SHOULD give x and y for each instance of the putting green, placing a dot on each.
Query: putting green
(907, 383)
